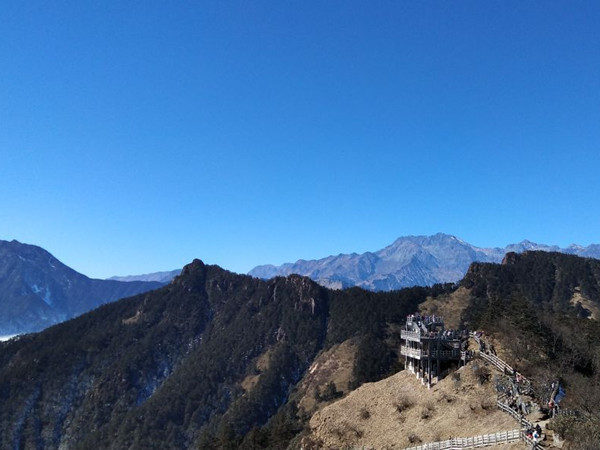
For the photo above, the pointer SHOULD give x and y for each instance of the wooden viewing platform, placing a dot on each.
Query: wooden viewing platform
(427, 346)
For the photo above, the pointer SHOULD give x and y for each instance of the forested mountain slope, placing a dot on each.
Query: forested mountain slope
(219, 360)
(168, 368)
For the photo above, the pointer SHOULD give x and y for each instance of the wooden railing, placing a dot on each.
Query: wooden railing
(496, 362)
(568, 412)
(424, 334)
(466, 356)
(411, 335)
(444, 353)
(506, 368)
(412, 352)
(483, 440)
(500, 364)
(418, 353)
(518, 417)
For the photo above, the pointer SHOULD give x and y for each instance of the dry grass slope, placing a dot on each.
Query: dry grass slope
(586, 304)
(334, 365)
(398, 412)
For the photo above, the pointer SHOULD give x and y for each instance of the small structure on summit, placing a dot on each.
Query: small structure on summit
(429, 349)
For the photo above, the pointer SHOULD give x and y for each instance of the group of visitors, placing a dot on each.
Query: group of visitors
(534, 433)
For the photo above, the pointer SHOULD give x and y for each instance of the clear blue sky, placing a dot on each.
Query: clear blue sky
(136, 136)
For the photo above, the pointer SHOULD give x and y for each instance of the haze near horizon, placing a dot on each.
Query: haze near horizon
(137, 137)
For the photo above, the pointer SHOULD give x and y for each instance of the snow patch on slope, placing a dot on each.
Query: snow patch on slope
(46, 295)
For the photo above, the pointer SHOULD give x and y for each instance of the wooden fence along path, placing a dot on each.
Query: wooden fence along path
(483, 440)
(502, 437)
(518, 417)
(504, 367)
(496, 362)
(500, 364)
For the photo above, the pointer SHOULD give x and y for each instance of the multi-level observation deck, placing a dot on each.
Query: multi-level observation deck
(426, 345)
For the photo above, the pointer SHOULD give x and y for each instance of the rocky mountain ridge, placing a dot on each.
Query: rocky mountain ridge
(408, 261)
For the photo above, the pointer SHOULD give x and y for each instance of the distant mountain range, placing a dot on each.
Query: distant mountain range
(37, 290)
(409, 261)
(161, 277)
